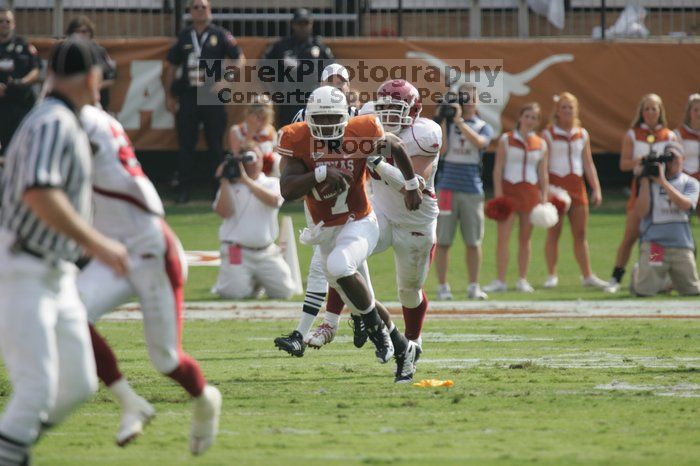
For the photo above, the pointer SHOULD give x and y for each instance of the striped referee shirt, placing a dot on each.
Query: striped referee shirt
(301, 114)
(48, 150)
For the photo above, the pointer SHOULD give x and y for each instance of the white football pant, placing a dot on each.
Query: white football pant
(413, 247)
(156, 276)
(345, 249)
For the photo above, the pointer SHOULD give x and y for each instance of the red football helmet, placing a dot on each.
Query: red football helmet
(398, 104)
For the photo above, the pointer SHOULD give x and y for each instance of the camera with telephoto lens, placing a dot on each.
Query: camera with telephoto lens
(231, 170)
(445, 110)
(649, 163)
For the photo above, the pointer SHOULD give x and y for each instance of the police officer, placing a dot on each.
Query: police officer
(201, 41)
(19, 69)
(301, 48)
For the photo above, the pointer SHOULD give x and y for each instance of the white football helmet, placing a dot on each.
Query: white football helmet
(327, 100)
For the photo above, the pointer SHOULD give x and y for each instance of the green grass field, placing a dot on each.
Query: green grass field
(526, 392)
(530, 391)
(198, 227)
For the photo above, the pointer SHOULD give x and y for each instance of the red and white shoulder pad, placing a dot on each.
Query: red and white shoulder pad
(424, 137)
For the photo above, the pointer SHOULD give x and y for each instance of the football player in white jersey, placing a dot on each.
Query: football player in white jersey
(127, 208)
(410, 233)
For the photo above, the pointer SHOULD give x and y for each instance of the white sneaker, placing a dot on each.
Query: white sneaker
(523, 286)
(551, 282)
(612, 287)
(135, 416)
(594, 282)
(205, 420)
(323, 335)
(475, 292)
(444, 293)
(496, 286)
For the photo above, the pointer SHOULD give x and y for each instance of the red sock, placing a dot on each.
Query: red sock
(105, 360)
(335, 303)
(189, 375)
(413, 318)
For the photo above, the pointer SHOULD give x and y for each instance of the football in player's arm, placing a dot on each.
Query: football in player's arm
(297, 181)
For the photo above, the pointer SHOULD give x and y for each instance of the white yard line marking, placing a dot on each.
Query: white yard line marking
(586, 360)
(682, 390)
(265, 310)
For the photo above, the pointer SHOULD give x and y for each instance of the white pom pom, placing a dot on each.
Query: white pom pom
(544, 215)
(561, 194)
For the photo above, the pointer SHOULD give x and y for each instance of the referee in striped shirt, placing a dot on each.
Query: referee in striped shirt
(44, 229)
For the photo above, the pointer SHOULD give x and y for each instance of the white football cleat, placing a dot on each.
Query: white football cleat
(475, 292)
(135, 417)
(323, 335)
(594, 282)
(551, 282)
(444, 293)
(496, 286)
(205, 420)
(523, 286)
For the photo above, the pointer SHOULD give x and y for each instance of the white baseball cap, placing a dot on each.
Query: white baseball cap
(334, 69)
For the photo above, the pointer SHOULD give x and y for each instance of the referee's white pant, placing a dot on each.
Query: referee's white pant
(44, 341)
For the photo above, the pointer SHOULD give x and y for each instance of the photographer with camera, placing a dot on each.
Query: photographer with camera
(460, 188)
(666, 199)
(249, 202)
(648, 133)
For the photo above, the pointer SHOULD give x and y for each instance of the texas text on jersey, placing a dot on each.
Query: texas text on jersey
(360, 139)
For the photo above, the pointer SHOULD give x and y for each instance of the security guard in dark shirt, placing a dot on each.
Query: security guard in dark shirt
(19, 69)
(291, 52)
(201, 41)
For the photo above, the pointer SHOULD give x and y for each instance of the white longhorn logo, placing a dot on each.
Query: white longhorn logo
(513, 84)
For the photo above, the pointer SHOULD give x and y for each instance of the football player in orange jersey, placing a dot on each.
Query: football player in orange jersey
(325, 160)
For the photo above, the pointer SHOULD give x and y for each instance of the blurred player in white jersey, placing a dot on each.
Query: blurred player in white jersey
(127, 208)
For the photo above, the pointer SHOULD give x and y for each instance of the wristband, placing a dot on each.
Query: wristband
(411, 184)
(374, 161)
(320, 173)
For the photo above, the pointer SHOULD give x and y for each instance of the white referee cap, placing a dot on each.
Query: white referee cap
(335, 69)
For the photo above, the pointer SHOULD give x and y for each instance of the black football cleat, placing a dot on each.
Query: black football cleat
(406, 363)
(384, 348)
(359, 333)
(292, 344)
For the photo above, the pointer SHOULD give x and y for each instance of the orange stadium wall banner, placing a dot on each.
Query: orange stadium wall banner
(607, 78)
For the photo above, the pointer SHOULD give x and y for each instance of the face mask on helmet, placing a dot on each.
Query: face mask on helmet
(327, 126)
(393, 114)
